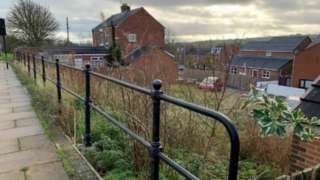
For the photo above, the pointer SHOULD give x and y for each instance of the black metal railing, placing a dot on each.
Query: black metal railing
(157, 97)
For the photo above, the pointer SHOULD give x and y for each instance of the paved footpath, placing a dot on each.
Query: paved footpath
(25, 151)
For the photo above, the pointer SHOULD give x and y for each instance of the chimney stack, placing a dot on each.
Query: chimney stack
(125, 7)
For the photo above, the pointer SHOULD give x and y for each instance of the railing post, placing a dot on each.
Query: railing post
(87, 106)
(24, 59)
(43, 70)
(28, 61)
(154, 162)
(58, 81)
(34, 68)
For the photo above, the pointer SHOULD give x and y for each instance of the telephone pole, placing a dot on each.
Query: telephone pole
(68, 40)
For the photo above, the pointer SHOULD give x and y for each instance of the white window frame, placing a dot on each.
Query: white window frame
(96, 61)
(305, 83)
(132, 37)
(266, 74)
(233, 70)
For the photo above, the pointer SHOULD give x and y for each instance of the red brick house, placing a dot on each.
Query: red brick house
(262, 68)
(140, 38)
(269, 60)
(306, 65)
(132, 29)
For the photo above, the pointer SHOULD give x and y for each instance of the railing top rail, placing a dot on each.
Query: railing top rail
(123, 83)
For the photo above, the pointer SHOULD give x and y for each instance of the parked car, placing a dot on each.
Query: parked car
(211, 83)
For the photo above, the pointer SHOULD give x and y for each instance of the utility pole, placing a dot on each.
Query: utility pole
(68, 40)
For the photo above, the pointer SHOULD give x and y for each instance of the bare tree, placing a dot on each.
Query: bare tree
(31, 22)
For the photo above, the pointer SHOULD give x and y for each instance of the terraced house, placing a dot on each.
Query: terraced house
(272, 60)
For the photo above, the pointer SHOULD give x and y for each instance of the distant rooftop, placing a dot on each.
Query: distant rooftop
(77, 50)
(278, 44)
(116, 19)
(260, 62)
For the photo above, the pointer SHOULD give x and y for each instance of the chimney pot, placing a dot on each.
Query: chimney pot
(125, 7)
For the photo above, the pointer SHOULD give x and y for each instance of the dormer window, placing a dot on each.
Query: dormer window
(132, 37)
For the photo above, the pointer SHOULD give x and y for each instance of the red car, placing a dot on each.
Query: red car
(212, 84)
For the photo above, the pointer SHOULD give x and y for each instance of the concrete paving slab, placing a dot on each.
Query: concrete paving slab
(6, 125)
(8, 146)
(12, 175)
(52, 171)
(27, 122)
(36, 142)
(21, 159)
(20, 132)
(17, 116)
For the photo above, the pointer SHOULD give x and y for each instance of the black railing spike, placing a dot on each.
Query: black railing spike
(155, 160)
(34, 68)
(43, 71)
(58, 81)
(87, 106)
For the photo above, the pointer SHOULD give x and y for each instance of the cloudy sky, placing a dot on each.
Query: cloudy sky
(190, 20)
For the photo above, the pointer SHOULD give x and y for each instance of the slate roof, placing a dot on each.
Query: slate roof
(135, 54)
(310, 102)
(77, 50)
(272, 63)
(199, 51)
(276, 44)
(315, 41)
(116, 19)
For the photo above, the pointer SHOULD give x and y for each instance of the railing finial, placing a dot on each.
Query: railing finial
(157, 84)
(87, 66)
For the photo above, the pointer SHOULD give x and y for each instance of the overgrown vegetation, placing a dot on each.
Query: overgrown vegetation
(191, 139)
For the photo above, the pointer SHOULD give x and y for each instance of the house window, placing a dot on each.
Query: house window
(96, 62)
(268, 53)
(255, 73)
(233, 70)
(304, 83)
(132, 37)
(243, 71)
(266, 74)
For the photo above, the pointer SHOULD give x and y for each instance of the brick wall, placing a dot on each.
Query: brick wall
(98, 37)
(155, 64)
(306, 65)
(304, 154)
(149, 32)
